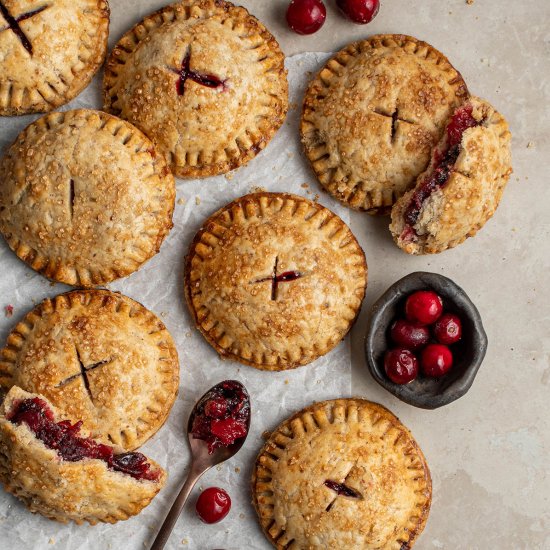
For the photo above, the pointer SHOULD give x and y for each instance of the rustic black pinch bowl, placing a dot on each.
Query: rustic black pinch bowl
(468, 353)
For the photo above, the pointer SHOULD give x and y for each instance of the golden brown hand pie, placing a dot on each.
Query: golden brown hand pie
(461, 188)
(372, 115)
(204, 80)
(100, 358)
(342, 474)
(49, 51)
(274, 280)
(85, 199)
(64, 477)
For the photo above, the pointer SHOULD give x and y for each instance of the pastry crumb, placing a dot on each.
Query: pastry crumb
(8, 310)
(218, 468)
(181, 201)
(241, 515)
(304, 186)
(469, 2)
(530, 145)
(163, 313)
(51, 541)
(286, 381)
(188, 334)
(229, 176)
(237, 470)
(184, 541)
(197, 201)
(266, 434)
(258, 189)
(52, 283)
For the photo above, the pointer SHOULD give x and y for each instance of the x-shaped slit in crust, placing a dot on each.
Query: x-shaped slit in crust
(394, 118)
(84, 373)
(185, 73)
(341, 489)
(275, 279)
(13, 23)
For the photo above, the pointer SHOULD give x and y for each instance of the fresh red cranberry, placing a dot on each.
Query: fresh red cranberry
(401, 365)
(436, 360)
(215, 408)
(213, 505)
(359, 11)
(306, 16)
(448, 329)
(424, 306)
(408, 334)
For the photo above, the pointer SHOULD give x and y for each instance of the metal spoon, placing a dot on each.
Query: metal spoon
(201, 461)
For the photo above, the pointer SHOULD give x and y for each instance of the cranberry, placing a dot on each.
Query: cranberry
(359, 11)
(401, 365)
(408, 334)
(228, 430)
(213, 505)
(424, 306)
(215, 408)
(460, 122)
(448, 329)
(436, 360)
(306, 16)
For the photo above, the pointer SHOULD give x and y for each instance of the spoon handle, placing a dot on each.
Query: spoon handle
(174, 513)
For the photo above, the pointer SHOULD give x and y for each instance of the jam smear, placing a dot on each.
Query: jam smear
(64, 438)
(222, 415)
(342, 489)
(444, 162)
(13, 24)
(185, 73)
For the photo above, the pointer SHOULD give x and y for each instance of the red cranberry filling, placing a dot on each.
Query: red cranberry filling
(13, 24)
(185, 73)
(222, 415)
(444, 162)
(63, 438)
(341, 489)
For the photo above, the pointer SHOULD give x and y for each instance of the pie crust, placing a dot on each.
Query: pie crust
(205, 80)
(274, 280)
(86, 490)
(99, 357)
(352, 442)
(471, 194)
(372, 115)
(85, 198)
(50, 51)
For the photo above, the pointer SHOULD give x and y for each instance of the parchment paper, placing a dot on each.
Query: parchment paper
(158, 285)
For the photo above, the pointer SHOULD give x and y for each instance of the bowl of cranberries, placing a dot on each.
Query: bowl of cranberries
(425, 341)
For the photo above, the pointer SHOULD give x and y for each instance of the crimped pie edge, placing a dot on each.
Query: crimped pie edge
(131, 138)
(128, 437)
(239, 203)
(267, 522)
(20, 438)
(11, 106)
(374, 202)
(185, 9)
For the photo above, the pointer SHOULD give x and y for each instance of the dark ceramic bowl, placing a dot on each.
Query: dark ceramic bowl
(468, 353)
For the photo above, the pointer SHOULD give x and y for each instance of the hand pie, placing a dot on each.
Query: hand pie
(205, 80)
(85, 199)
(100, 358)
(274, 280)
(64, 475)
(462, 186)
(372, 115)
(50, 51)
(342, 474)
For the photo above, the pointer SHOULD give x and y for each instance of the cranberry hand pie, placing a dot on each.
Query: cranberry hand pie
(461, 188)
(342, 474)
(372, 115)
(85, 199)
(101, 359)
(64, 475)
(49, 51)
(204, 80)
(274, 280)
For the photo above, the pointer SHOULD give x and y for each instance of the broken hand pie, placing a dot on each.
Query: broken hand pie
(204, 80)
(372, 115)
(342, 474)
(100, 358)
(274, 280)
(64, 475)
(461, 188)
(85, 199)
(50, 51)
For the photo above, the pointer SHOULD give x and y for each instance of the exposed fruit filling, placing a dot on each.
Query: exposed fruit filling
(443, 166)
(341, 489)
(13, 24)
(63, 438)
(222, 415)
(185, 73)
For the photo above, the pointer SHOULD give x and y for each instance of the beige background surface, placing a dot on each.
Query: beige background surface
(488, 451)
